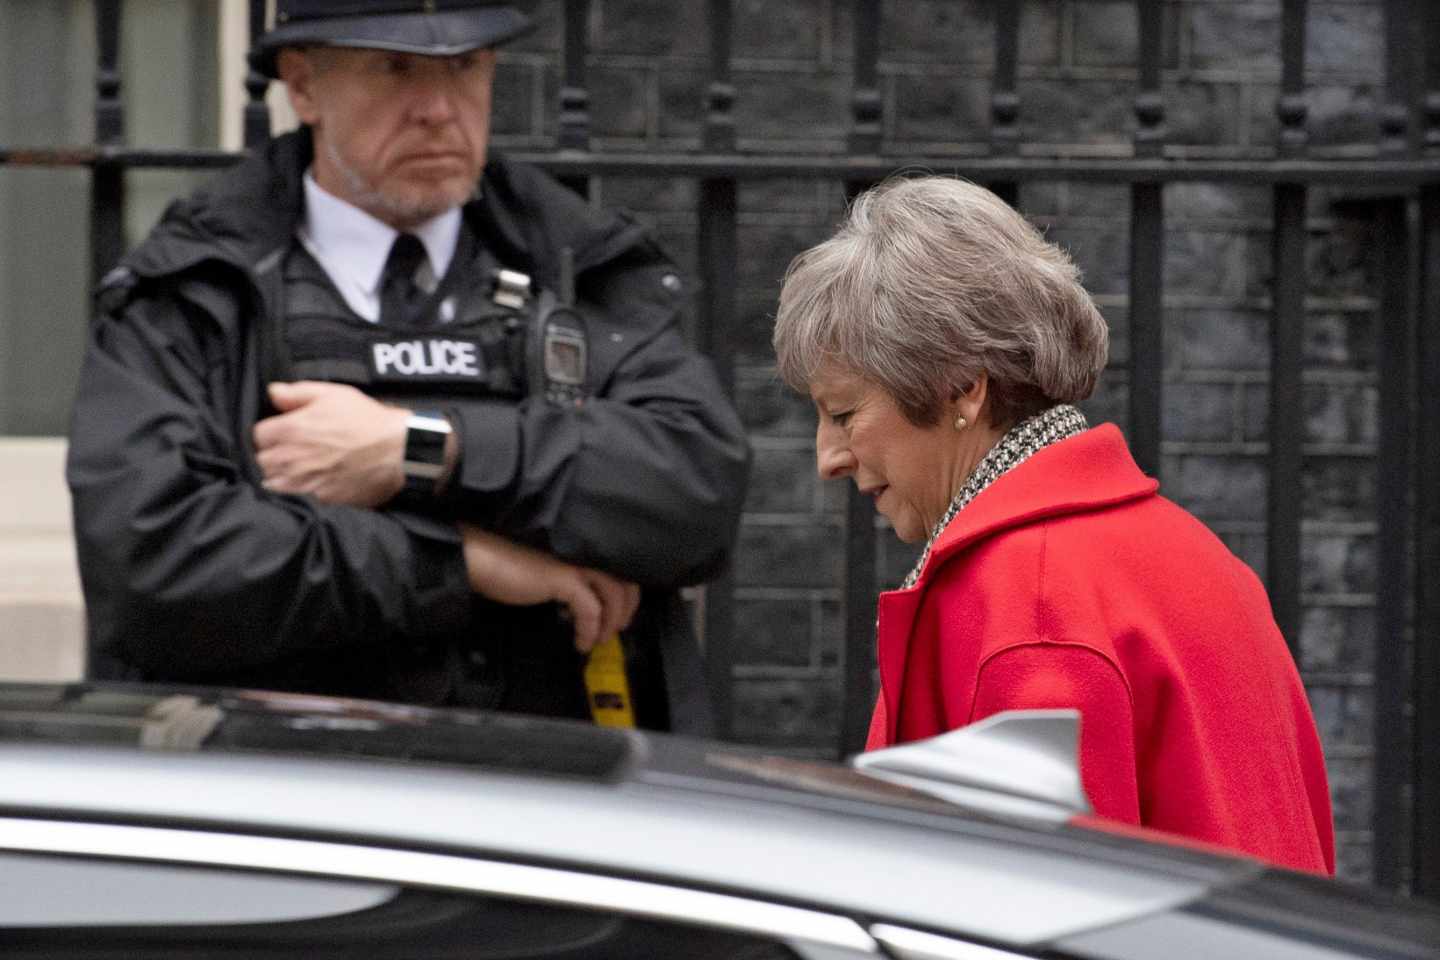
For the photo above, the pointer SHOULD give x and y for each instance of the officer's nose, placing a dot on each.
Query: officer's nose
(435, 100)
(833, 458)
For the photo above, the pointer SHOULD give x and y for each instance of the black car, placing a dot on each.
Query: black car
(142, 822)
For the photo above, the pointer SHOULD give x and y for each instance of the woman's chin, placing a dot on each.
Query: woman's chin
(907, 532)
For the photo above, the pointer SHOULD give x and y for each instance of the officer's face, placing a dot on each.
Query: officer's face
(401, 136)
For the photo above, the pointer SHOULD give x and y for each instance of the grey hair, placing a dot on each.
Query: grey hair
(930, 281)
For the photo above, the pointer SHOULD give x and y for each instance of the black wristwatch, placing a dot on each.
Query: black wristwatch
(425, 435)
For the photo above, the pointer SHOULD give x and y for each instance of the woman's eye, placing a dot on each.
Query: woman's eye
(840, 419)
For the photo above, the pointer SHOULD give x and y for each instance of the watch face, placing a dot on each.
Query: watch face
(425, 437)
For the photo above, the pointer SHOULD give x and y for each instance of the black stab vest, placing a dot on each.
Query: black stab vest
(469, 346)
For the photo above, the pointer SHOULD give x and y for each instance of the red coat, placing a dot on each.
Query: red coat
(1070, 582)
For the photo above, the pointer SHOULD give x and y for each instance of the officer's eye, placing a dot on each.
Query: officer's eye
(464, 62)
(397, 65)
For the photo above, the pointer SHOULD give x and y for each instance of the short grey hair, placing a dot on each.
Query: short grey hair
(930, 281)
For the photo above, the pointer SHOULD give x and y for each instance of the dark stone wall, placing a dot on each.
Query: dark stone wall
(792, 68)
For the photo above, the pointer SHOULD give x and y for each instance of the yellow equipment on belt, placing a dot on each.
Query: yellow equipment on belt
(607, 686)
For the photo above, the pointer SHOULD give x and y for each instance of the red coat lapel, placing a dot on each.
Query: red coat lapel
(1090, 470)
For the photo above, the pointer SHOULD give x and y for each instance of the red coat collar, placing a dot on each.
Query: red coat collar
(1089, 470)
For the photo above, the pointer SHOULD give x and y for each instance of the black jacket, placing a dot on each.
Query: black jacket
(194, 573)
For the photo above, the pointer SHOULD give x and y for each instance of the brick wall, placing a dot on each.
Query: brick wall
(647, 75)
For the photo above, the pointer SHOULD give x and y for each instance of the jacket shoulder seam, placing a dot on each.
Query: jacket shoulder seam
(1013, 645)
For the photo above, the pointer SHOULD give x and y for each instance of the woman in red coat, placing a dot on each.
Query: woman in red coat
(944, 342)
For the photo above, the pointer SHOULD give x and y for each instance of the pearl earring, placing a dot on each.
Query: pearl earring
(961, 423)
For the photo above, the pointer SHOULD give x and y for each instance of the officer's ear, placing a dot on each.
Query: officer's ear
(297, 71)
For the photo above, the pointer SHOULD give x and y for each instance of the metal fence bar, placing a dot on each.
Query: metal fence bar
(718, 270)
(718, 203)
(857, 694)
(1287, 424)
(574, 120)
(574, 113)
(1361, 173)
(1425, 834)
(1147, 252)
(1150, 101)
(1400, 33)
(257, 111)
(720, 95)
(1292, 108)
(1004, 100)
(107, 183)
(109, 111)
(1287, 341)
(1431, 105)
(1425, 841)
(866, 106)
(1147, 320)
(1394, 364)
(861, 599)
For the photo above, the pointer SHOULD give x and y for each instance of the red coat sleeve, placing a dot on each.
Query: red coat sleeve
(1036, 676)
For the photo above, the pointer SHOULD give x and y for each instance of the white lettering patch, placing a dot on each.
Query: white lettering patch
(426, 359)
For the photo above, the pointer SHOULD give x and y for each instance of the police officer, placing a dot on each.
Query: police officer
(378, 413)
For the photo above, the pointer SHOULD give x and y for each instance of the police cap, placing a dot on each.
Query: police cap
(438, 28)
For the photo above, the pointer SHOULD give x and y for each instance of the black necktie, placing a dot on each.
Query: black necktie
(400, 296)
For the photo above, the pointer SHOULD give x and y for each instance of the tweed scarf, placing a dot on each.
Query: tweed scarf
(1018, 444)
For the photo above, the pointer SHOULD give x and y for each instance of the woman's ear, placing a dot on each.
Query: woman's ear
(972, 402)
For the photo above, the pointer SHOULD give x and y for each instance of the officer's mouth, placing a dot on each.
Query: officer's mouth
(435, 160)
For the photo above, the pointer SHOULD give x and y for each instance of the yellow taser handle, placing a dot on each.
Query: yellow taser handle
(607, 686)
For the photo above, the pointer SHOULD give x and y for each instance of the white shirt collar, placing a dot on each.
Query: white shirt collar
(347, 239)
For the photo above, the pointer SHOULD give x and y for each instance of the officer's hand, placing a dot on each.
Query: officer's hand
(508, 572)
(332, 442)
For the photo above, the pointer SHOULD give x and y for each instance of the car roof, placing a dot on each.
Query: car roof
(706, 815)
(217, 721)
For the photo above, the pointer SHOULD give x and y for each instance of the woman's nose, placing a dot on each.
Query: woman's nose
(832, 456)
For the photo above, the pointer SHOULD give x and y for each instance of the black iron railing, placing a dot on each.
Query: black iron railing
(1400, 179)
